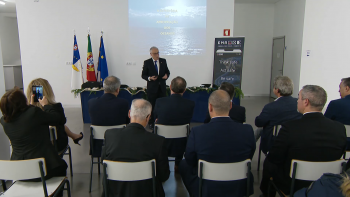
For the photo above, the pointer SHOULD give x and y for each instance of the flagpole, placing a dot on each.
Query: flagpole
(99, 54)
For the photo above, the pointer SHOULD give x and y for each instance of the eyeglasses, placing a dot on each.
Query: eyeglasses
(155, 53)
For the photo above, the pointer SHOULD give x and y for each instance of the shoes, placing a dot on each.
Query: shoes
(76, 141)
(151, 126)
(176, 169)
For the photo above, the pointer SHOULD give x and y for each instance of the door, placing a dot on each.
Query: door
(277, 61)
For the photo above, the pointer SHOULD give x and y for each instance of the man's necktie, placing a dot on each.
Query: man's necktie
(155, 64)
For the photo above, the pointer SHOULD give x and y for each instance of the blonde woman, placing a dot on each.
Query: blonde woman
(62, 130)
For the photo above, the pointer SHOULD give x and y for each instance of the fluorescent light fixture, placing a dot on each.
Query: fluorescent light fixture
(2, 3)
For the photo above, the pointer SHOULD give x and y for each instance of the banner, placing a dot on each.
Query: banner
(228, 61)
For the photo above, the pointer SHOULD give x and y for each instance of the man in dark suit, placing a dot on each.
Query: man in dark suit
(283, 109)
(108, 110)
(237, 113)
(155, 71)
(311, 138)
(339, 110)
(222, 140)
(175, 110)
(135, 144)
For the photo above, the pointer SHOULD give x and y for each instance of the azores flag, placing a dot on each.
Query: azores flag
(90, 69)
(77, 68)
(102, 63)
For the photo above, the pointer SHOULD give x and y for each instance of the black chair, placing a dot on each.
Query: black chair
(91, 84)
(275, 131)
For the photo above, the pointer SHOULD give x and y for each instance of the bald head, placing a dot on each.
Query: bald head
(221, 102)
(140, 110)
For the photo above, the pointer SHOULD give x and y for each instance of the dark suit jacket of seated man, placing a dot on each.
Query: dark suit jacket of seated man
(237, 114)
(222, 140)
(107, 110)
(174, 110)
(135, 144)
(283, 109)
(311, 138)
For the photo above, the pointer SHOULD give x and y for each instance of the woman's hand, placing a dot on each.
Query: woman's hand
(43, 101)
(32, 99)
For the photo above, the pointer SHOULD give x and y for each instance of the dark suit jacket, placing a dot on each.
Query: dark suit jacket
(134, 144)
(30, 138)
(149, 70)
(275, 113)
(221, 141)
(174, 110)
(237, 114)
(107, 110)
(311, 138)
(339, 110)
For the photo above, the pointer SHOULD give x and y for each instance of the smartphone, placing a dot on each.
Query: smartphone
(38, 92)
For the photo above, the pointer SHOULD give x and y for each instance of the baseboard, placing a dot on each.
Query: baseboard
(256, 95)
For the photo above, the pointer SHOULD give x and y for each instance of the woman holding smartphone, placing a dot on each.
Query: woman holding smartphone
(62, 130)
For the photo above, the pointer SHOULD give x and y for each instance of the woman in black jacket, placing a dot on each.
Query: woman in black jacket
(27, 127)
(62, 130)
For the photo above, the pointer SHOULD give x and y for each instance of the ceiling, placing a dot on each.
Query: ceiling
(256, 1)
(9, 7)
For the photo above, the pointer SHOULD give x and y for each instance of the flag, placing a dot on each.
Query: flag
(77, 68)
(102, 63)
(90, 70)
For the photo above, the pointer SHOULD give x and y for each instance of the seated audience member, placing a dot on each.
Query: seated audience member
(175, 110)
(222, 140)
(311, 138)
(339, 110)
(135, 144)
(237, 113)
(27, 127)
(283, 109)
(108, 110)
(329, 185)
(62, 130)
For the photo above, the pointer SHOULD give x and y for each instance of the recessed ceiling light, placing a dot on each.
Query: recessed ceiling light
(2, 3)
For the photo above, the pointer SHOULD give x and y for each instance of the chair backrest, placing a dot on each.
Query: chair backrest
(224, 171)
(53, 133)
(347, 127)
(98, 132)
(21, 169)
(129, 171)
(311, 171)
(172, 131)
(276, 129)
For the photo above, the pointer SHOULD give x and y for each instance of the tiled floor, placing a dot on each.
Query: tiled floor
(173, 186)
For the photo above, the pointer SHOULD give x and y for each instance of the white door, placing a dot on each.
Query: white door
(277, 61)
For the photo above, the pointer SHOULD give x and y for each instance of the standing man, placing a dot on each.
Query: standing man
(155, 71)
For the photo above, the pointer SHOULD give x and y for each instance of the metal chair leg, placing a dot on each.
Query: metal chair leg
(99, 163)
(3, 185)
(68, 188)
(91, 170)
(70, 161)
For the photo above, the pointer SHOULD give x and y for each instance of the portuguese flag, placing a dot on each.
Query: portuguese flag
(90, 70)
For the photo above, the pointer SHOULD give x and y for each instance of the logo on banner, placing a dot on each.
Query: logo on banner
(226, 32)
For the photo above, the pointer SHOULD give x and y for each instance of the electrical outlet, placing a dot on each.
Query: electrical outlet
(129, 63)
(69, 63)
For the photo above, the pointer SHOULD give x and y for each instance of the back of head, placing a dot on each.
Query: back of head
(221, 102)
(316, 95)
(229, 88)
(111, 84)
(140, 110)
(178, 85)
(284, 85)
(346, 82)
(47, 91)
(345, 186)
(12, 103)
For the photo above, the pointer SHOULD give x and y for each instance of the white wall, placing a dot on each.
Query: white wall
(289, 22)
(255, 22)
(326, 35)
(46, 40)
(10, 41)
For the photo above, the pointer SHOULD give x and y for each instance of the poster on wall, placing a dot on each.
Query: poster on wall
(228, 61)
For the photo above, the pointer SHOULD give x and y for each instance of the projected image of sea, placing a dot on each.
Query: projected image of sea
(176, 27)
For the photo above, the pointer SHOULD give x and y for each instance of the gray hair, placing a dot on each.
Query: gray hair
(346, 81)
(111, 84)
(284, 84)
(153, 48)
(140, 109)
(221, 101)
(317, 96)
